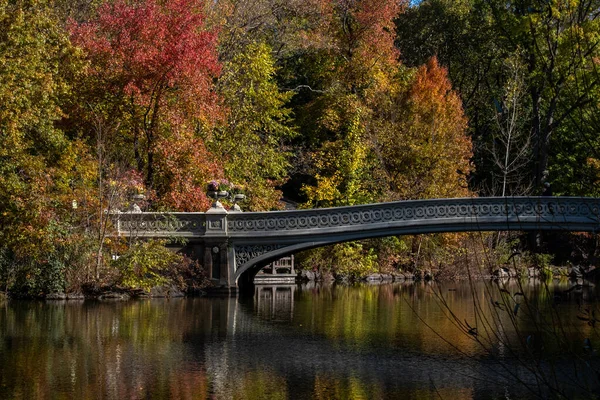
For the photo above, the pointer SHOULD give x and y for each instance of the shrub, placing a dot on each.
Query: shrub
(146, 264)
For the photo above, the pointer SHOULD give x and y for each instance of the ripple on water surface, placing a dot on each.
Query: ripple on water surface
(388, 341)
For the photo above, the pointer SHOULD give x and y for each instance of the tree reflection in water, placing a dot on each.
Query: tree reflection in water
(287, 342)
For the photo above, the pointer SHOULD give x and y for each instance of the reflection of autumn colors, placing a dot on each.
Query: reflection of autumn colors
(288, 342)
(386, 314)
(328, 387)
(99, 350)
(261, 384)
(399, 314)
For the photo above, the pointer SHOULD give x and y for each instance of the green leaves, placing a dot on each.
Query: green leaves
(254, 141)
(145, 265)
(36, 61)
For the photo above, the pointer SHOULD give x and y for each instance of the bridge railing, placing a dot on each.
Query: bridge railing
(160, 225)
(511, 210)
(575, 213)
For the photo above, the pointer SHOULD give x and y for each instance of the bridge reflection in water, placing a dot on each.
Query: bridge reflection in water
(363, 342)
(275, 301)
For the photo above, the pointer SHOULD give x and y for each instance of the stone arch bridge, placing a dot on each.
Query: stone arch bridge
(234, 246)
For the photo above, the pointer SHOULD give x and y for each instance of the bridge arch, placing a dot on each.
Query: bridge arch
(252, 267)
(306, 229)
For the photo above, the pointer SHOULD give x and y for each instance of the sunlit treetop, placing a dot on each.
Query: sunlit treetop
(149, 45)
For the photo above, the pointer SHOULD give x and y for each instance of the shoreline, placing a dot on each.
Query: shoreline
(116, 294)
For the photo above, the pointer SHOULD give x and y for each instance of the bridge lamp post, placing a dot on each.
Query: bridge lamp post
(136, 199)
(234, 198)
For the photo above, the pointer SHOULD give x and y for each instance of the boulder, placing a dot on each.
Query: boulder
(56, 296)
(501, 273)
(327, 277)
(398, 277)
(575, 273)
(533, 272)
(373, 278)
(114, 296)
(307, 275)
(75, 296)
(166, 291)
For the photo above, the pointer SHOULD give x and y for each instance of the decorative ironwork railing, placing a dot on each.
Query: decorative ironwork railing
(437, 215)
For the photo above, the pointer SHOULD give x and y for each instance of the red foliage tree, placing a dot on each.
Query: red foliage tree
(360, 36)
(186, 165)
(158, 62)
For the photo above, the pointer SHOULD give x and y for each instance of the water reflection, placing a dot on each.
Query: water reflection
(274, 302)
(313, 342)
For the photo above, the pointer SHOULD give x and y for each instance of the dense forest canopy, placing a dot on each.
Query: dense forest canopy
(325, 102)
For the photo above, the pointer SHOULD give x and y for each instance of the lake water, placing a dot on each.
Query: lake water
(394, 341)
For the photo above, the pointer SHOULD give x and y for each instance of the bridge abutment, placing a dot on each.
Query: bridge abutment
(217, 260)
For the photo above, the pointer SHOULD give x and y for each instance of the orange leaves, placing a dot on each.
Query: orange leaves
(423, 146)
(359, 35)
(376, 17)
(184, 166)
(438, 115)
(431, 82)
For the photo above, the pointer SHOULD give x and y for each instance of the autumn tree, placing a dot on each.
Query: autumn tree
(418, 136)
(421, 141)
(555, 41)
(152, 64)
(41, 171)
(386, 131)
(256, 38)
(353, 49)
(185, 165)
(375, 130)
(276, 23)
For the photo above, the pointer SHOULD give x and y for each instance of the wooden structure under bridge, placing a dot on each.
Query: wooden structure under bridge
(279, 271)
